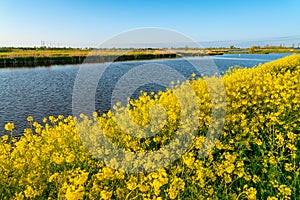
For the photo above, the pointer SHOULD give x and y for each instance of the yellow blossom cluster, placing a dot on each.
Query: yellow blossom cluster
(255, 157)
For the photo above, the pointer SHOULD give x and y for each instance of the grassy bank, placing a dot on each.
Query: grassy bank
(256, 50)
(257, 155)
(15, 57)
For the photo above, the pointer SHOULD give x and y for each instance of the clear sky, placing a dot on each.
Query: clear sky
(84, 23)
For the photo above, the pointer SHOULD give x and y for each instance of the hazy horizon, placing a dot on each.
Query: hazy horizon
(293, 41)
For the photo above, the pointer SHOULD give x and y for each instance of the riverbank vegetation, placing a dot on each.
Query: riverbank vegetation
(31, 57)
(11, 52)
(256, 157)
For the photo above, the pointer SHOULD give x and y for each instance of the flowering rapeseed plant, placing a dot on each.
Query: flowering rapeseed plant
(256, 157)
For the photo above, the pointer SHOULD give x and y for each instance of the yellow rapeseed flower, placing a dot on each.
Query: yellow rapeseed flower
(30, 118)
(9, 126)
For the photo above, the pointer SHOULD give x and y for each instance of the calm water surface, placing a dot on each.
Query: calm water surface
(45, 91)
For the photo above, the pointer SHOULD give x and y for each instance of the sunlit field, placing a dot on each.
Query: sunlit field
(256, 156)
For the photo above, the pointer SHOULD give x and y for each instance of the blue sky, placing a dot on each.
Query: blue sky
(86, 23)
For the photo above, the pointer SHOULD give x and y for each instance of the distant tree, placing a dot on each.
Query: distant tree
(252, 49)
(232, 47)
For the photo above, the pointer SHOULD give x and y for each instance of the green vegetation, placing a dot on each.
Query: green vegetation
(262, 50)
(31, 57)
